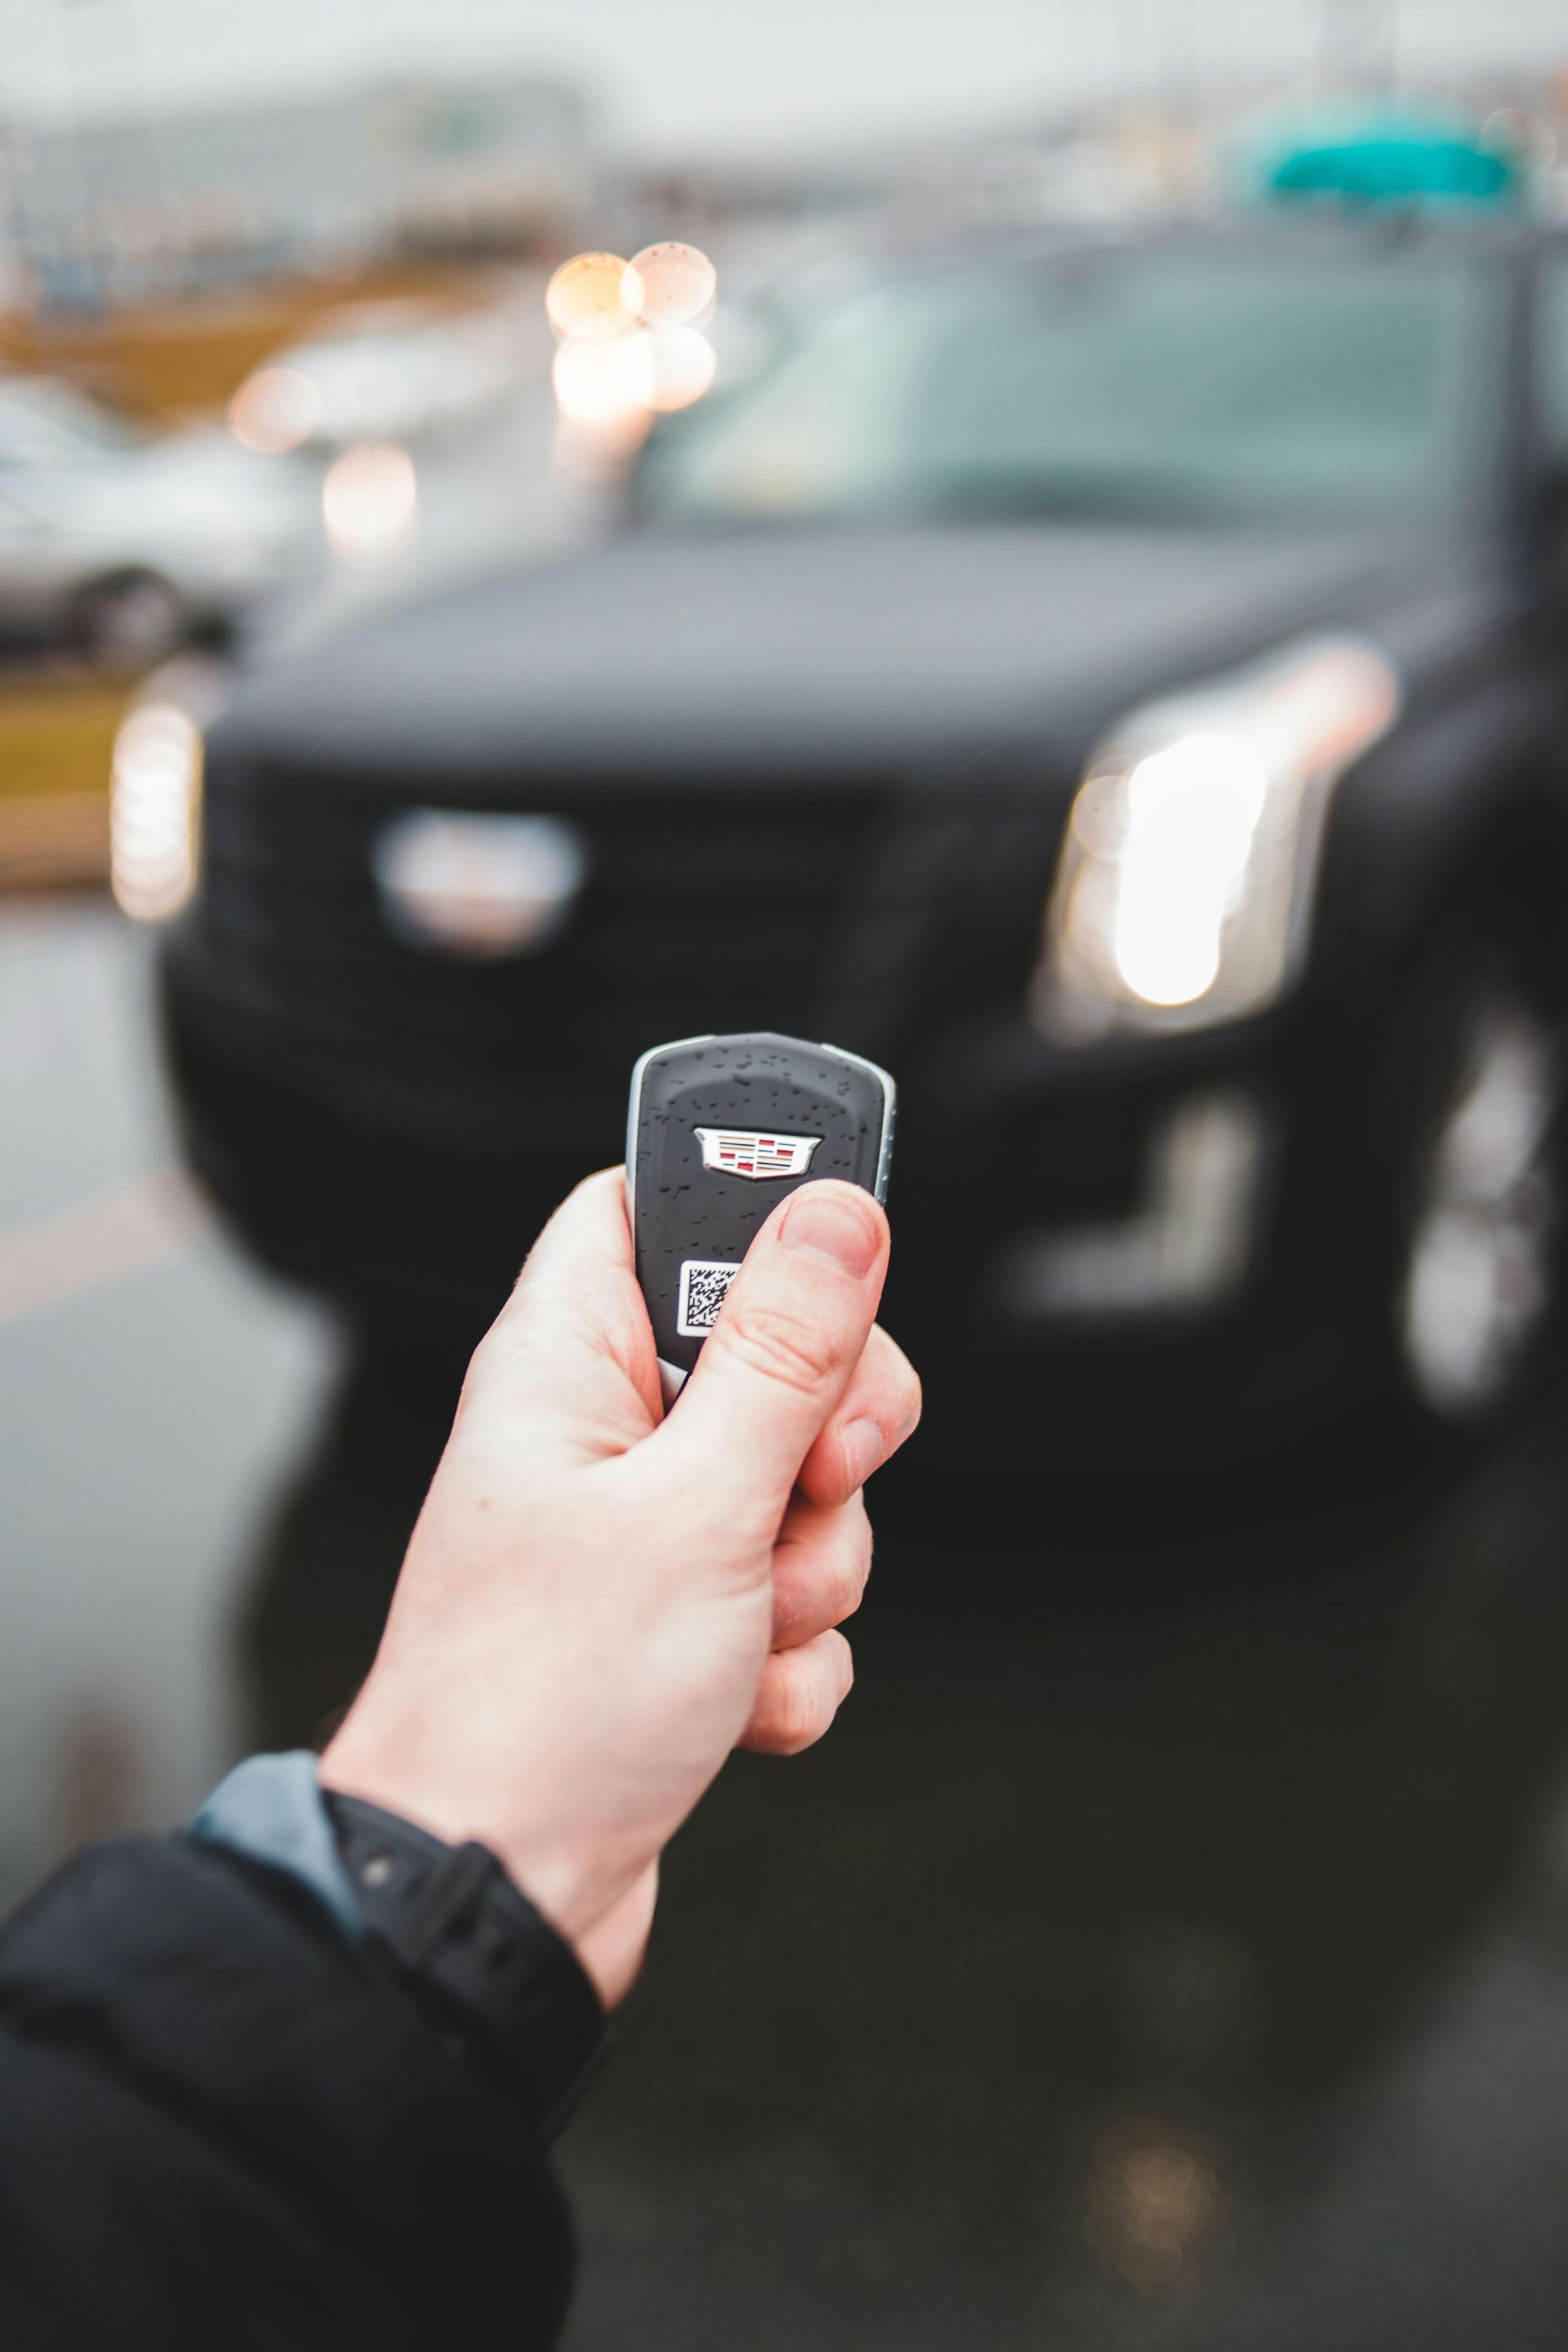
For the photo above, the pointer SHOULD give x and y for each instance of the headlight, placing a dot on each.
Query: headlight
(155, 792)
(1184, 885)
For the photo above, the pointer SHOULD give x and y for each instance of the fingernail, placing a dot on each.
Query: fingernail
(863, 1451)
(834, 1225)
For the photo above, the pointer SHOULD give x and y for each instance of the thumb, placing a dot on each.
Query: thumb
(789, 1335)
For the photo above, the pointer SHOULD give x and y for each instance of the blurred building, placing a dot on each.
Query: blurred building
(130, 207)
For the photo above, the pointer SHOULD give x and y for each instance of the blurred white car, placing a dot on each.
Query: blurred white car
(126, 545)
(377, 372)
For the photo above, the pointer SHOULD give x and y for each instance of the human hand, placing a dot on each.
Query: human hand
(599, 1602)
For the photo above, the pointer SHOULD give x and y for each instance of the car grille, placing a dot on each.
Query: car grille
(703, 909)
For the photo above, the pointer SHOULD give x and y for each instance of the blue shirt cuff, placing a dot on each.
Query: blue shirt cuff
(271, 1808)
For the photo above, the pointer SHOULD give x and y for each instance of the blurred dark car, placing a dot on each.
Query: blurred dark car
(1117, 681)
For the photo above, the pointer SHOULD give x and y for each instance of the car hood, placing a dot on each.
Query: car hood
(800, 648)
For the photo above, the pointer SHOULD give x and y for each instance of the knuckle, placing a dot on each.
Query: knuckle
(782, 1346)
(851, 1567)
(801, 1693)
(846, 1671)
(821, 1569)
(790, 1717)
(905, 1399)
(824, 1596)
(911, 1397)
(795, 1721)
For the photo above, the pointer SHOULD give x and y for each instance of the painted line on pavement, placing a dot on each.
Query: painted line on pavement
(70, 1253)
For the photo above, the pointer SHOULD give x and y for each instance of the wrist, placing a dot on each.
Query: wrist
(457, 1941)
(569, 1881)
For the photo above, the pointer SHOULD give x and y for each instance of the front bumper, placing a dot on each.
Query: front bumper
(335, 1184)
(1086, 1243)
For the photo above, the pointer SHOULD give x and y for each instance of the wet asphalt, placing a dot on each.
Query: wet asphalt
(1169, 1949)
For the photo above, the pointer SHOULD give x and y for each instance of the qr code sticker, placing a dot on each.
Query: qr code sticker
(703, 1283)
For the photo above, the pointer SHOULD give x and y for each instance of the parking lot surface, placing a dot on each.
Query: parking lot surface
(1168, 1950)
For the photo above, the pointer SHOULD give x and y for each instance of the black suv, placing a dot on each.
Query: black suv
(1115, 680)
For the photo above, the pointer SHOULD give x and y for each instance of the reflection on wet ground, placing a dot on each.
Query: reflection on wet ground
(1168, 1950)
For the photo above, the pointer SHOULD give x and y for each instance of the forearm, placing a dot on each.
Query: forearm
(210, 2102)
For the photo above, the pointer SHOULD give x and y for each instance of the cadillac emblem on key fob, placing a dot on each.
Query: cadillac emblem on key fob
(720, 1129)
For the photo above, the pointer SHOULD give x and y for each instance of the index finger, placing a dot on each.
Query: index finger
(573, 1344)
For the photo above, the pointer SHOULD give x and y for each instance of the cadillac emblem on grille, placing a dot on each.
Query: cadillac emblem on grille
(466, 883)
(740, 1152)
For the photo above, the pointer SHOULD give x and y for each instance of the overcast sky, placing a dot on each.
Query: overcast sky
(708, 76)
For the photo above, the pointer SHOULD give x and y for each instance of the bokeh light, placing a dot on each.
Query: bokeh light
(683, 366)
(602, 382)
(585, 302)
(154, 807)
(369, 498)
(1152, 2205)
(669, 286)
(630, 349)
(276, 409)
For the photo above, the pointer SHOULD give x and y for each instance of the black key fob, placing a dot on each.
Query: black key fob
(720, 1129)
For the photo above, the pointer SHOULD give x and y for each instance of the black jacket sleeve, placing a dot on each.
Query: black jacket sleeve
(216, 2129)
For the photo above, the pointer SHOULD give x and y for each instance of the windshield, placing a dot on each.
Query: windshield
(1138, 383)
